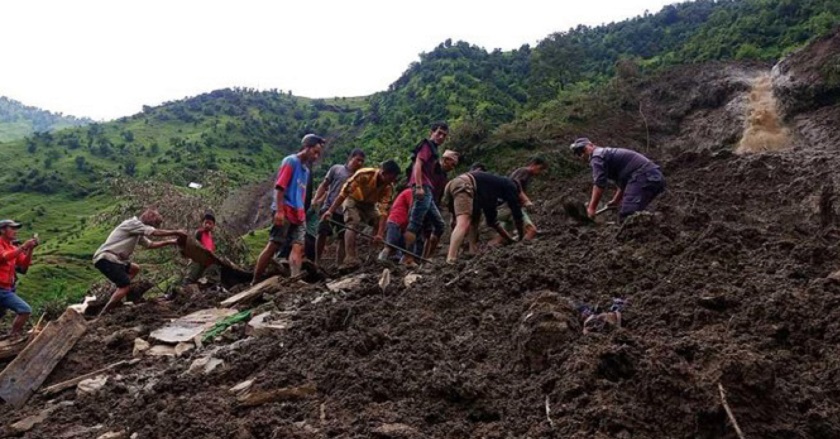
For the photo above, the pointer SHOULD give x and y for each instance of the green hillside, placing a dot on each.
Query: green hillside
(500, 104)
(18, 121)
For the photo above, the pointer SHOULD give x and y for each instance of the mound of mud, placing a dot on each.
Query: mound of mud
(728, 281)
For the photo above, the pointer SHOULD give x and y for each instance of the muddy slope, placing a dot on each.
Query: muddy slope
(727, 283)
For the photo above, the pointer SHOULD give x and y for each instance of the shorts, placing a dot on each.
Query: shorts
(288, 232)
(461, 191)
(326, 228)
(357, 213)
(10, 300)
(116, 272)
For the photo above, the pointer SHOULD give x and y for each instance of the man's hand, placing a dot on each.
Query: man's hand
(378, 240)
(326, 216)
(419, 192)
(528, 203)
(590, 211)
(29, 244)
(279, 218)
(181, 233)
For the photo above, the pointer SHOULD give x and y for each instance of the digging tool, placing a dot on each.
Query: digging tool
(395, 247)
(578, 211)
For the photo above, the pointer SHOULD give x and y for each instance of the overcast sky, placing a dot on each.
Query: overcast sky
(105, 59)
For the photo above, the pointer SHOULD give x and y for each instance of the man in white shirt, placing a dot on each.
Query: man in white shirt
(113, 258)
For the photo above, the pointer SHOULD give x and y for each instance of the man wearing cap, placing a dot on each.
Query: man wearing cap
(423, 161)
(471, 194)
(365, 197)
(289, 206)
(13, 257)
(113, 258)
(639, 180)
(327, 193)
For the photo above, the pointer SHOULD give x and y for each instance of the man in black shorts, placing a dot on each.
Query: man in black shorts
(113, 258)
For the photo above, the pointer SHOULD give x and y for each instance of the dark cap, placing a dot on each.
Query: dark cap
(9, 223)
(577, 147)
(311, 140)
(209, 216)
(478, 166)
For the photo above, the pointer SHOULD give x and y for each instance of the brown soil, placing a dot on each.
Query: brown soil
(726, 283)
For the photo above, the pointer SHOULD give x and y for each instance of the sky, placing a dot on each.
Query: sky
(106, 59)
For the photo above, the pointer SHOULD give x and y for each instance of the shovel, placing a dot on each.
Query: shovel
(578, 211)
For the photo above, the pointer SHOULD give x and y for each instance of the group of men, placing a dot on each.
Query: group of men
(351, 196)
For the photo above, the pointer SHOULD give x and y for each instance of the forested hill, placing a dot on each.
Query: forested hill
(18, 120)
(479, 90)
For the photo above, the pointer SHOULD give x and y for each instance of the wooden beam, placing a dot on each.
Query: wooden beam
(10, 348)
(55, 388)
(268, 285)
(25, 374)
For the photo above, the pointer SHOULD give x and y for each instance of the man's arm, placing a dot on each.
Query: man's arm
(159, 244)
(279, 215)
(162, 233)
(597, 193)
(418, 173)
(321, 192)
(619, 195)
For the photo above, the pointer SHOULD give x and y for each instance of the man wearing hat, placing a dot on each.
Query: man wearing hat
(12, 257)
(639, 180)
(289, 206)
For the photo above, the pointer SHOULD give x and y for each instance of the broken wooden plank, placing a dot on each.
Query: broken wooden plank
(10, 348)
(55, 388)
(188, 327)
(25, 374)
(269, 285)
(253, 399)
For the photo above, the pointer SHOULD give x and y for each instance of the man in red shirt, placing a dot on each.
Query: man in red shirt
(12, 257)
(289, 206)
(397, 223)
(204, 236)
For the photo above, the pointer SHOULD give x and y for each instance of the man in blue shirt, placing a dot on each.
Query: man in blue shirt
(639, 180)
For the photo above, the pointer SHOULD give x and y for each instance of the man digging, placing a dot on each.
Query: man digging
(639, 180)
(365, 197)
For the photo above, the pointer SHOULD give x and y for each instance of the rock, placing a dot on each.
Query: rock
(114, 435)
(385, 279)
(269, 323)
(395, 430)
(348, 283)
(140, 347)
(410, 279)
(182, 348)
(80, 432)
(205, 365)
(550, 323)
(242, 387)
(801, 81)
(91, 385)
(161, 351)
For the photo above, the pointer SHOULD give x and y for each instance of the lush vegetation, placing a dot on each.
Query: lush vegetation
(18, 120)
(498, 103)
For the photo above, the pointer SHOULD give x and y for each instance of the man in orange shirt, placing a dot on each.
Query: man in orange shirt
(12, 257)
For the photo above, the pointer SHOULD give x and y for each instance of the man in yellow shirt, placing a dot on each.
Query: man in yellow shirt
(365, 198)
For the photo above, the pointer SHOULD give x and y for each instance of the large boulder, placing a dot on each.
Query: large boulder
(810, 77)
